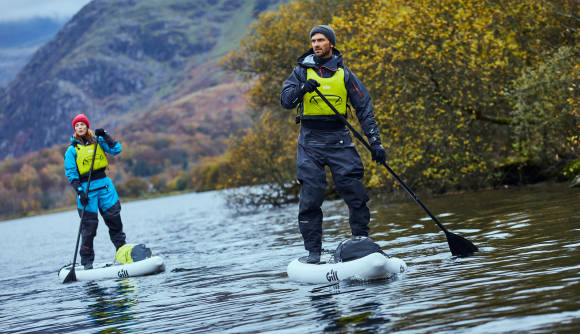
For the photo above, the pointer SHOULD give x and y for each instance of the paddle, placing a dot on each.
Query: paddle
(71, 277)
(458, 245)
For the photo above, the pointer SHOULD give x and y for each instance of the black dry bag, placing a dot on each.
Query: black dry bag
(355, 248)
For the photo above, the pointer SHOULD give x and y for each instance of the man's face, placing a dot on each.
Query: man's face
(321, 45)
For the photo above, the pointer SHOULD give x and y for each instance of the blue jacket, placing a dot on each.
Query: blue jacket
(70, 157)
(358, 96)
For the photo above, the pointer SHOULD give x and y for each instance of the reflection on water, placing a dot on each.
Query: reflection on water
(335, 318)
(226, 272)
(111, 306)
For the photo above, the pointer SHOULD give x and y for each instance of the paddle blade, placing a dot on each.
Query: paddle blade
(459, 245)
(71, 277)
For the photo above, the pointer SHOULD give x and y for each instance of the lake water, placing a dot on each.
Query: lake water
(226, 272)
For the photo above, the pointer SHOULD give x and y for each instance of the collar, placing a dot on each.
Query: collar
(310, 60)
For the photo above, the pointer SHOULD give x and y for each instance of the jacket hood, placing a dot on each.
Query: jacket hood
(310, 60)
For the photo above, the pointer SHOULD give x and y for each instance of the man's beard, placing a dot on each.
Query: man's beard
(325, 54)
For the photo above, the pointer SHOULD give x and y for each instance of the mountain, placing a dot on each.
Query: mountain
(117, 60)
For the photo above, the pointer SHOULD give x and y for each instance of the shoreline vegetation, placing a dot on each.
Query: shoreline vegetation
(399, 196)
(72, 207)
(467, 94)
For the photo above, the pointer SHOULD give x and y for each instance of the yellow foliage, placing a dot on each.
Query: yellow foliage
(440, 73)
(442, 63)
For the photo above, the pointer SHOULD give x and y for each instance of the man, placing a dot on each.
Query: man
(325, 141)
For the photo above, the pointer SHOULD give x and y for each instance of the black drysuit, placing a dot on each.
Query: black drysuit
(325, 141)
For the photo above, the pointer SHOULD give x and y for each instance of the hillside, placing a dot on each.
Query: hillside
(161, 149)
(116, 60)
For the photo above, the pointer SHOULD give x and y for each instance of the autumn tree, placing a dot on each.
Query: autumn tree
(546, 117)
(440, 71)
(442, 74)
(263, 157)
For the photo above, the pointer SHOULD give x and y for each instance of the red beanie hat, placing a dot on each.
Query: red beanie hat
(80, 118)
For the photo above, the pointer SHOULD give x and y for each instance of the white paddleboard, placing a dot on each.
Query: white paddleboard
(148, 266)
(370, 267)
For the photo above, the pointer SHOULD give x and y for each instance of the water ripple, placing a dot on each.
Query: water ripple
(226, 272)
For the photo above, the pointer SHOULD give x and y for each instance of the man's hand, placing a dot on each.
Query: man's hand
(309, 85)
(378, 153)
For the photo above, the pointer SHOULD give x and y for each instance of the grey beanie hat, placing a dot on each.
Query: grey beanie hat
(326, 31)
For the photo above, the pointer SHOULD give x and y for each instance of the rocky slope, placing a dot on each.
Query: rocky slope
(117, 60)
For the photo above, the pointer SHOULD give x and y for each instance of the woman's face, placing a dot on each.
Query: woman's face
(80, 128)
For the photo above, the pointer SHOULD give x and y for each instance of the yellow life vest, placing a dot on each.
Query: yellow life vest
(332, 88)
(85, 158)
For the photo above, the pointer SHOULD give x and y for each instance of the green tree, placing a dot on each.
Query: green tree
(546, 119)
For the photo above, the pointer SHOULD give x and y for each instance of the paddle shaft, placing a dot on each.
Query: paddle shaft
(368, 146)
(71, 275)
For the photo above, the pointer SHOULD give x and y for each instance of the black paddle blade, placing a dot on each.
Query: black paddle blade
(71, 277)
(459, 245)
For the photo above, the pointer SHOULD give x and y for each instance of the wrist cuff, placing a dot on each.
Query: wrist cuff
(374, 141)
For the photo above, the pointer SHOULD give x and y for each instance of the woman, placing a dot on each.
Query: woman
(102, 196)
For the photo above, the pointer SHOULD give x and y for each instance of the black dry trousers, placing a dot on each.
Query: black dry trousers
(335, 149)
(112, 218)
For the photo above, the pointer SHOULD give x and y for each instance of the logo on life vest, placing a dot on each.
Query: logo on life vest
(332, 275)
(123, 273)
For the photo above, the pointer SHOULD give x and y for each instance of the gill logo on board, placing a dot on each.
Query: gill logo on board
(332, 275)
(123, 273)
